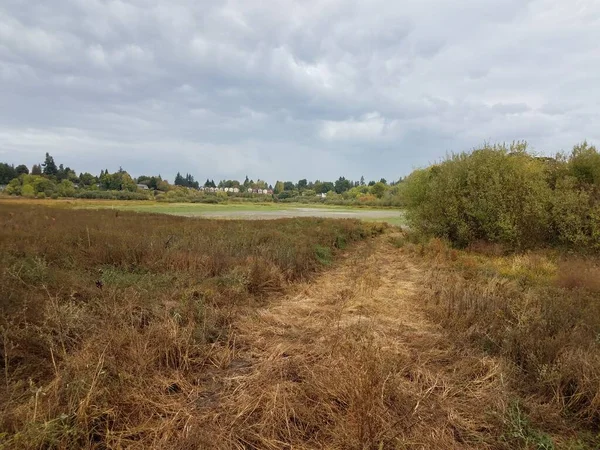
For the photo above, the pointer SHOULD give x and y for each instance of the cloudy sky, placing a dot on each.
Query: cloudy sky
(290, 89)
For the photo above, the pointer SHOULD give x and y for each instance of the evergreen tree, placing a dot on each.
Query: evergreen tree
(36, 169)
(179, 181)
(60, 174)
(49, 166)
(7, 173)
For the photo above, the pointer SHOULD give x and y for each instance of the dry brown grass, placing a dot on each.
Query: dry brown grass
(538, 311)
(577, 273)
(112, 324)
(347, 362)
(142, 331)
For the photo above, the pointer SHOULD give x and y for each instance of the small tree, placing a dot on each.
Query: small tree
(49, 166)
(87, 179)
(22, 169)
(179, 180)
(7, 173)
(342, 185)
(378, 189)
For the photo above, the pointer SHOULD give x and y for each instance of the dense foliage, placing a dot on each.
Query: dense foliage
(507, 195)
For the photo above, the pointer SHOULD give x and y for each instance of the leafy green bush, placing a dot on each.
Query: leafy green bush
(495, 193)
(584, 164)
(506, 195)
(27, 191)
(570, 212)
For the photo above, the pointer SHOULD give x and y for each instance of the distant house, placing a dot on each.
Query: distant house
(270, 191)
(143, 187)
(322, 195)
(3, 187)
(236, 190)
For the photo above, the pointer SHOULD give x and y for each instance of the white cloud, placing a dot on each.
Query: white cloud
(368, 127)
(247, 87)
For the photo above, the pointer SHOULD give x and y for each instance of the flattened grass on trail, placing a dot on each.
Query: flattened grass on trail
(111, 322)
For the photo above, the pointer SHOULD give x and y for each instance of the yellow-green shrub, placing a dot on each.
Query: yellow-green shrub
(506, 195)
(496, 193)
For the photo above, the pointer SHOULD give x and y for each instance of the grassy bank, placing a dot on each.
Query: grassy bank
(108, 317)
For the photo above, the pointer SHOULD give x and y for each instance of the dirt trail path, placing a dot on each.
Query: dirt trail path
(350, 361)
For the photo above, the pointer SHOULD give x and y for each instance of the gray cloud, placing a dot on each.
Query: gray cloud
(313, 88)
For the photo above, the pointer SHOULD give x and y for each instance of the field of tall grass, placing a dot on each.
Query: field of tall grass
(539, 312)
(109, 319)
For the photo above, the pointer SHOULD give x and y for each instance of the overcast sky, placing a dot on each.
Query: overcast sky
(292, 89)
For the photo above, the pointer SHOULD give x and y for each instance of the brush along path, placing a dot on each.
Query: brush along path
(349, 361)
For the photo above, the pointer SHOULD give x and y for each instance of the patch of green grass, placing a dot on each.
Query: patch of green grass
(399, 221)
(323, 254)
(228, 210)
(521, 434)
(120, 278)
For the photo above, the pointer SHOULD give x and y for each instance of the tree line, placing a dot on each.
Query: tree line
(50, 179)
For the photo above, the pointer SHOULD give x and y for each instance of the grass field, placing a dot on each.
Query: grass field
(536, 312)
(123, 329)
(240, 210)
(108, 316)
